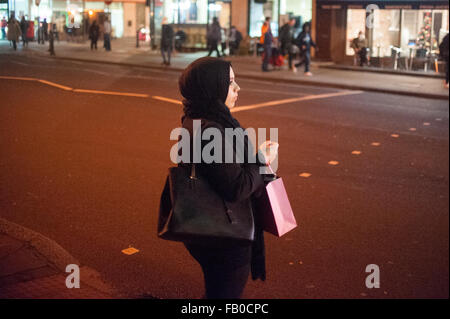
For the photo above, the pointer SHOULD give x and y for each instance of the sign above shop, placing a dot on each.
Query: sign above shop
(108, 2)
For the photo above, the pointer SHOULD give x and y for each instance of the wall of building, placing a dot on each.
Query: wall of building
(239, 15)
(129, 19)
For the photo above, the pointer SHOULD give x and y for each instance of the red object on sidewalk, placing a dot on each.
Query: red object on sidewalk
(30, 31)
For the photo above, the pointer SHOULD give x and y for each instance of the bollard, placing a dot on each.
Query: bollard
(137, 39)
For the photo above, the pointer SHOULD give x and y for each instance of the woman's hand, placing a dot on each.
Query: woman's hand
(270, 151)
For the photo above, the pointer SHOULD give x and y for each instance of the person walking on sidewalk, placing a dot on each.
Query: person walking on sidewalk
(44, 30)
(304, 41)
(209, 89)
(107, 35)
(286, 37)
(14, 31)
(94, 31)
(214, 37)
(267, 39)
(167, 36)
(24, 29)
(443, 52)
(4, 24)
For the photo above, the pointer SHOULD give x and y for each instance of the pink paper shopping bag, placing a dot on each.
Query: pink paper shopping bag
(275, 210)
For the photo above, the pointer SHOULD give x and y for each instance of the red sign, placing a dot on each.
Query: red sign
(108, 2)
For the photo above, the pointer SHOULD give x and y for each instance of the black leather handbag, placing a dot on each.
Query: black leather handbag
(192, 212)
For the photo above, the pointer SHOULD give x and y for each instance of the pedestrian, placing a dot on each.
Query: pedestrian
(107, 35)
(214, 37)
(94, 31)
(4, 24)
(304, 41)
(14, 31)
(267, 37)
(51, 40)
(444, 54)
(265, 27)
(359, 46)
(286, 38)
(234, 39)
(209, 89)
(223, 45)
(44, 31)
(24, 29)
(167, 35)
(180, 38)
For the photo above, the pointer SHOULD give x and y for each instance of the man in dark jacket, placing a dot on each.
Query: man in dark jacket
(167, 35)
(234, 40)
(24, 28)
(304, 41)
(214, 37)
(443, 52)
(267, 45)
(286, 37)
(94, 31)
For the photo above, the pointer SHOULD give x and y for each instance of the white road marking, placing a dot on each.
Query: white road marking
(5, 77)
(66, 88)
(274, 92)
(130, 251)
(165, 99)
(111, 93)
(292, 100)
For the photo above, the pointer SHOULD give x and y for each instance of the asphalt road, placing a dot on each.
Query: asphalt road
(87, 170)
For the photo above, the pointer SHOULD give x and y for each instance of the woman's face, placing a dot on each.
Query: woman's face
(232, 91)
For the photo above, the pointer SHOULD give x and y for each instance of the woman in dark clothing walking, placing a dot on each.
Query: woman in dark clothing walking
(94, 31)
(166, 41)
(214, 37)
(210, 91)
(304, 41)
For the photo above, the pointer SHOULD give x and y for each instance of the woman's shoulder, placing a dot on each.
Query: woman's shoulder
(204, 123)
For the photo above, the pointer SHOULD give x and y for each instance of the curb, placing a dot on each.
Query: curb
(55, 254)
(375, 70)
(273, 79)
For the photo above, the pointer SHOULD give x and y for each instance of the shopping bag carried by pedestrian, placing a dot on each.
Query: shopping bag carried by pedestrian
(192, 212)
(273, 208)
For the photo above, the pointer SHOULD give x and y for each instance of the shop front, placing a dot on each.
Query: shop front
(73, 17)
(190, 16)
(280, 11)
(399, 34)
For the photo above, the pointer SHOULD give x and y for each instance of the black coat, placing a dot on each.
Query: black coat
(167, 35)
(304, 39)
(237, 183)
(94, 31)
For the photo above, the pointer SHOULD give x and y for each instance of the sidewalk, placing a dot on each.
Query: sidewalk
(124, 52)
(33, 266)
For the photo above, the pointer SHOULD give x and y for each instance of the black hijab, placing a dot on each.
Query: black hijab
(204, 85)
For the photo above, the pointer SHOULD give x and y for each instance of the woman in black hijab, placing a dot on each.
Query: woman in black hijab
(210, 91)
